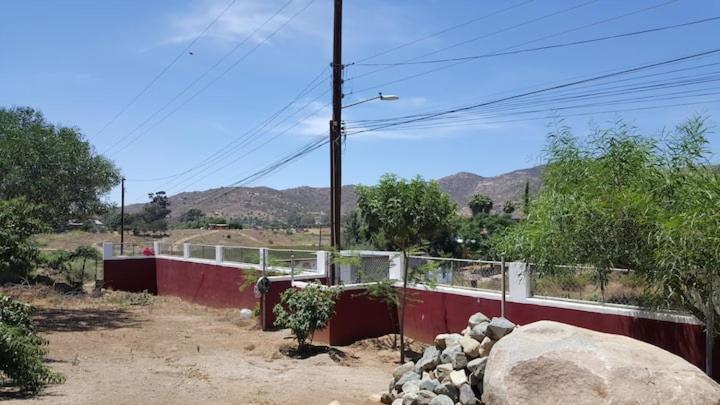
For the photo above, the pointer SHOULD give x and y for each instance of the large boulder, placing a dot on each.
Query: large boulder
(550, 362)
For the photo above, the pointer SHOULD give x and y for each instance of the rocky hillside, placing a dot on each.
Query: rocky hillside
(271, 204)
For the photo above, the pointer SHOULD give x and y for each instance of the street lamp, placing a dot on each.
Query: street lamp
(380, 96)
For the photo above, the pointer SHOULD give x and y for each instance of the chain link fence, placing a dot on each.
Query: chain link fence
(477, 274)
(300, 261)
(623, 287)
(241, 254)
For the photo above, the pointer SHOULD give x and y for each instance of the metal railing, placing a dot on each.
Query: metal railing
(463, 273)
(206, 252)
(133, 249)
(170, 249)
(241, 254)
(298, 261)
(623, 287)
(370, 267)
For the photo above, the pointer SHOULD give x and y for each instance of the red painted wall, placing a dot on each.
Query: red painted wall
(441, 312)
(134, 275)
(208, 284)
(357, 317)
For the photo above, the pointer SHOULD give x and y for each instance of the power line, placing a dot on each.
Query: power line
(165, 69)
(215, 79)
(546, 47)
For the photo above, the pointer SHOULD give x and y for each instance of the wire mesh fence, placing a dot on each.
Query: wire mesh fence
(133, 249)
(623, 287)
(171, 249)
(202, 252)
(479, 274)
(240, 254)
(367, 268)
(300, 261)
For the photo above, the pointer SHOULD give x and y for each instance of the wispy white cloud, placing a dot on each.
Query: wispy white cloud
(239, 22)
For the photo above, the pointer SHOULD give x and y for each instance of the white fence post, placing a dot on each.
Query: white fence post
(186, 250)
(397, 266)
(322, 262)
(219, 254)
(107, 250)
(156, 247)
(263, 252)
(519, 281)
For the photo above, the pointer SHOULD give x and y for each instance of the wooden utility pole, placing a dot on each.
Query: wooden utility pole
(122, 216)
(335, 135)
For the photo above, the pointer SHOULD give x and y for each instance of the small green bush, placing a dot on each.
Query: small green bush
(305, 311)
(21, 349)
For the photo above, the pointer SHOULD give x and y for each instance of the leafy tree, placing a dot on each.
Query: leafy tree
(153, 217)
(52, 166)
(479, 231)
(625, 200)
(526, 197)
(509, 207)
(21, 349)
(406, 215)
(73, 263)
(191, 215)
(354, 229)
(480, 204)
(18, 222)
(305, 311)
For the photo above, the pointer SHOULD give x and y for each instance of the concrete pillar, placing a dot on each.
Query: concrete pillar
(322, 262)
(186, 250)
(519, 282)
(219, 254)
(397, 266)
(107, 250)
(156, 247)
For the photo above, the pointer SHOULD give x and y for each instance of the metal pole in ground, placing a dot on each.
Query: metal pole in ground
(709, 334)
(122, 216)
(335, 134)
(503, 287)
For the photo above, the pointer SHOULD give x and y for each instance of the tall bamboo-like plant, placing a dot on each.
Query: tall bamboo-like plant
(406, 215)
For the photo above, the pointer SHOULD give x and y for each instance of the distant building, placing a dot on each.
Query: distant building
(217, 226)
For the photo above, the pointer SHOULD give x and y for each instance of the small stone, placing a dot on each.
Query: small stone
(424, 397)
(444, 340)
(454, 355)
(429, 384)
(448, 390)
(374, 397)
(409, 376)
(498, 328)
(465, 331)
(246, 313)
(442, 400)
(458, 378)
(477, 319)
(478, 331)
(410, 399)
(397, 401)
(401, 370)
(335, 402)
(430, 359)
(387, 398)
(485, 347)
(470, 346)
(477, 363)
(411, 387)
(443, 370)
(467, 396)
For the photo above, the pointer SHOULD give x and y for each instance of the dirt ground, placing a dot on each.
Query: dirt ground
(123, 348)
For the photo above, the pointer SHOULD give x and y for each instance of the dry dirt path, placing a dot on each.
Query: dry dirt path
(171, 352)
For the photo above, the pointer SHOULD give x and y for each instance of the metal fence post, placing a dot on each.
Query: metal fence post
(503, 287)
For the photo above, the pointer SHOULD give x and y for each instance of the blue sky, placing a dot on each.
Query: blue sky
(81, 62)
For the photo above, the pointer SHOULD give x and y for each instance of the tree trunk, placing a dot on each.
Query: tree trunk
(402, 307)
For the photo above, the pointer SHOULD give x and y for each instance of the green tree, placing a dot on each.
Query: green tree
(153, 217)
(480, 204)
(52, 166)
(509, 207)
(19, 221)
(305, 311)
(479, 232)
(21, 349)
(406, 215)
(191, 215)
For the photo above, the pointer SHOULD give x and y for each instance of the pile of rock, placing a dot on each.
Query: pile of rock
(452, 371)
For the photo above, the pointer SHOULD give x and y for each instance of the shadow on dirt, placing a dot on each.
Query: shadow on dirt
(337, 355)
(81, 320)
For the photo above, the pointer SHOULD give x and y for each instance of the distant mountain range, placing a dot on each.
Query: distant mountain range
(270, 204)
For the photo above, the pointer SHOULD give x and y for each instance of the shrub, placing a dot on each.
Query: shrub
(305, 311)
(21, 349)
